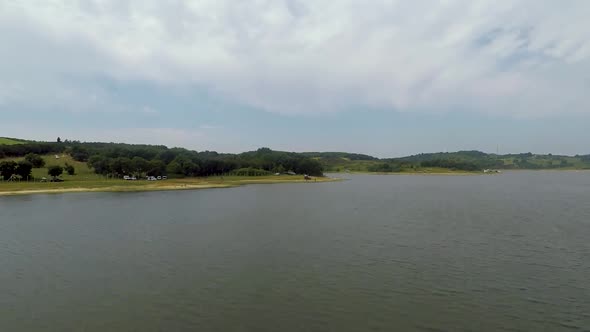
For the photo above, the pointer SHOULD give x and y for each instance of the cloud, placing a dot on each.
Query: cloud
(149, 110)
(524, 58)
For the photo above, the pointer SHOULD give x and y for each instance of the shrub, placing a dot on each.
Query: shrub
(70, 169)
(35, 160)
(55, 171)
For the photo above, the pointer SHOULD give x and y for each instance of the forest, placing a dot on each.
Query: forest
(153, 160)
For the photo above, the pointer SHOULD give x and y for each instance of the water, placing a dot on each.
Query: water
(375, 253)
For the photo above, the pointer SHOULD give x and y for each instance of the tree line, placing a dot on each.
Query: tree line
(181, 162)
(119, 159)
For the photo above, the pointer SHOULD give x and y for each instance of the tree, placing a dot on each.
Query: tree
(139, 165)
(70, 169)
(166, 156)
(23, 169)
(35, 160)
(55, 171)
(182, 165)
(174, 168)
(7, 169)
(156, 168)
(58, 140)
(100, 164)
(121, 166)
(79, 153)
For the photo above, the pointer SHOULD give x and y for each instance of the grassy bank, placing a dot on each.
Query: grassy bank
(85, 180)
(94, 185)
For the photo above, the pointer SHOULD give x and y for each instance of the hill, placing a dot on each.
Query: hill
(11, 141)
(117, 159)
(459, 161)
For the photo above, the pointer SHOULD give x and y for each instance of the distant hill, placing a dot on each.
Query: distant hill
(338, 155)
(461, 160)
(11, 141)
(106, 157)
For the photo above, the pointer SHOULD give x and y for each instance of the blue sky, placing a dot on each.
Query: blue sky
(387, 78)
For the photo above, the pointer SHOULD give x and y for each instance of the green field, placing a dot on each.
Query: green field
(10, 141)
(83, 172)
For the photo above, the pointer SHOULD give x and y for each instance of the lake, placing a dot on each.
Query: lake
(507, 252)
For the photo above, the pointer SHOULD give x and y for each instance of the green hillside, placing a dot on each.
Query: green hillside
(120, 159)
(10, 141)
(472, 161)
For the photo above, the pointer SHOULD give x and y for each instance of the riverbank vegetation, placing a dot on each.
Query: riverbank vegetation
(452, 162)
(117, 160)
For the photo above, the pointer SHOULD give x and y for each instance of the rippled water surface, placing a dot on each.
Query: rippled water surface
(374, 253)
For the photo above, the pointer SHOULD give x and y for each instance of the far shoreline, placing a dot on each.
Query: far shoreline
(460, 173)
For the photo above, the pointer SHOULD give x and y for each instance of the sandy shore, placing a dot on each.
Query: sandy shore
(154, 187)
(112, 189)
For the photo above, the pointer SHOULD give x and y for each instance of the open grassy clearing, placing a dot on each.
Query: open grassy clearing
(83, 172)
(10, 141)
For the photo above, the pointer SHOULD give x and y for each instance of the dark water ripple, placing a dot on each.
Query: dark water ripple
(376, 253)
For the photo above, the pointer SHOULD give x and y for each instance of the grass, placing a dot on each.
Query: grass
(83, 172)
(8, 188)
(10, 141)
(86, 181)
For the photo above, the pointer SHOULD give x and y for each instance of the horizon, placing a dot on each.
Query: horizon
(300, 75)
(65, 139)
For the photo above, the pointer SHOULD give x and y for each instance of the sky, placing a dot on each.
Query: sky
(386, 78)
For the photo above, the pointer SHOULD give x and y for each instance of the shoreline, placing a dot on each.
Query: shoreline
(459, 173)
(167, 185)
(413, 173)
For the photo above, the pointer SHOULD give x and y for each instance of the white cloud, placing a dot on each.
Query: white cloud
(521, 58)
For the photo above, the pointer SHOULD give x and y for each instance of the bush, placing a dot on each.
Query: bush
(55, 171)
(7, 169)
(70, 169)
(23, 169)
(35, 160)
